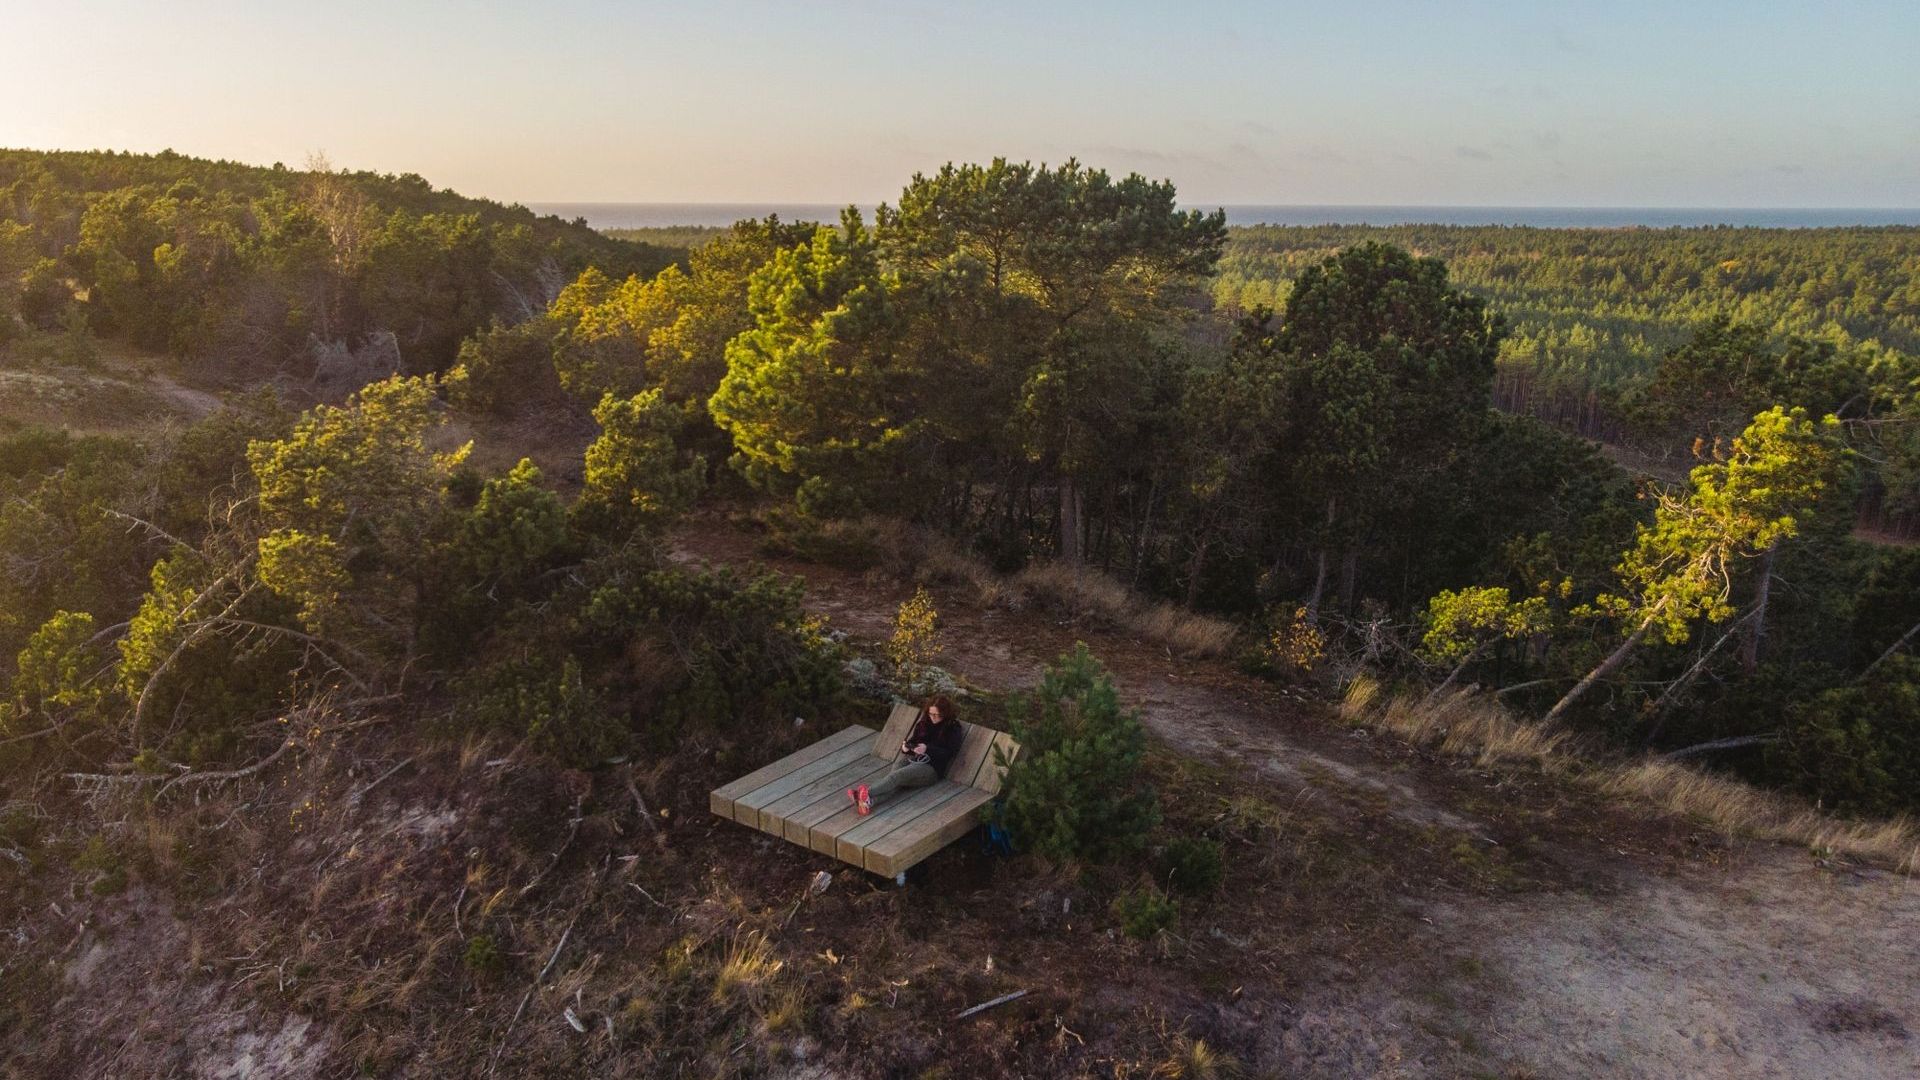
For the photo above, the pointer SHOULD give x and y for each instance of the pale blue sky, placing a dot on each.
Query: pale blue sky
(1704, 103)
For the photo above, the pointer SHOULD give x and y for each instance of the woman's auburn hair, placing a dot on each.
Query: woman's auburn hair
(943, 703)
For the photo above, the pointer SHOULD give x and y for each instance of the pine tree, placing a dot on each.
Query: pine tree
(1074, 792)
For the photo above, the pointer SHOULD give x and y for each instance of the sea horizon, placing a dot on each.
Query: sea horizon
(646, 215)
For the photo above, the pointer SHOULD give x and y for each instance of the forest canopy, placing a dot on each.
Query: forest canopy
(248, 272)
(1374, 450)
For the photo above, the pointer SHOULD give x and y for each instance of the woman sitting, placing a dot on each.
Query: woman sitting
(924, 755)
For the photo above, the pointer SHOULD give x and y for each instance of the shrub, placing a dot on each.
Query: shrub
(56, 669)
(1075, 792)
(106, 865)
(45, 294)
(1144, 912)
(915, 643)
(514, 529)
(549, 703)
(483, 955)
(505, 369)
(738, 648)
(1192, 865)
(1295, 645)
(850, 544)
(1857, 747)
(637, 480)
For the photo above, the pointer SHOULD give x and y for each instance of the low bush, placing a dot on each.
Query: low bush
(1857, 747)
(546, 700)
(1192, 865)
(1145, 911)
(483, 955)
(719, 647)
(915, 643)
(506, 370)
(105, 866)
(850, 544)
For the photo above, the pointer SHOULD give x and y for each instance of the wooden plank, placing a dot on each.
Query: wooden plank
(851, 845)
(799, 823)
(824, 835)
(721, 799)
(973, 753)
(913, 843)
(746, 808)
(773, 815)
(991, 772)
(886, 745)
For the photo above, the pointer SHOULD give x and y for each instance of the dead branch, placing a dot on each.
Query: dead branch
(108, 780)
(573, 830)
(555, 958)
(498, 1050)
(1673, 689)
(593, 894)
(48, 730)
(312, 642)
(1723, 744)
(199, 629)
(230, 774)
(985, 1005)
(1891, 649)
(640, 803)
(156, 530)
(355, 798)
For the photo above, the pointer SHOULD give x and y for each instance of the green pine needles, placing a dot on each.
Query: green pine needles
(1074, 793)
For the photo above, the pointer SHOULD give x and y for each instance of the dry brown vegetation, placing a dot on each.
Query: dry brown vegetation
(1084, 591)
(479, 912)
(1469, 726)
(921, 555)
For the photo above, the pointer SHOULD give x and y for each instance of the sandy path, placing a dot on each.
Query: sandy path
(1780, 969)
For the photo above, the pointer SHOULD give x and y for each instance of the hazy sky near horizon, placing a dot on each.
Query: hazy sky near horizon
(1631, 103)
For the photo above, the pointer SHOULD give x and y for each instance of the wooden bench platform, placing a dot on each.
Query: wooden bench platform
(803, 796)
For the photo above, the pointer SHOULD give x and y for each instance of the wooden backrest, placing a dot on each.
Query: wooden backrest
(994, 769)
(976, 765)
(894, 731)
(976, 745)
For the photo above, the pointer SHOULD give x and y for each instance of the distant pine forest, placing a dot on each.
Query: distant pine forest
(1590, 312)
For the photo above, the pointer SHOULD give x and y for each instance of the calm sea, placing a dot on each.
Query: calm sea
(656, 215)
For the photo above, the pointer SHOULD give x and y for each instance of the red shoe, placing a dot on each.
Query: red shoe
(862, 801)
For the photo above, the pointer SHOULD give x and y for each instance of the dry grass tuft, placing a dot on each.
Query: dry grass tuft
(1459, 725)
(748, 966)
(1085, 591)
(1466, 726)
(787, 1011)
(934, 558)
(1359, 697)
(1193, 1059)
(931, 558)
(1738, 809)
